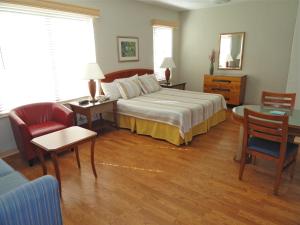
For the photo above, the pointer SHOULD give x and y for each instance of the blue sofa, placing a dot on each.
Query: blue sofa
(24, 202)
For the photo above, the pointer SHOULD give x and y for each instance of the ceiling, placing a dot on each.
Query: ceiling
(181, 5)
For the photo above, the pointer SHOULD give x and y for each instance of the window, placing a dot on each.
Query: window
(42, 55)
(162, 47)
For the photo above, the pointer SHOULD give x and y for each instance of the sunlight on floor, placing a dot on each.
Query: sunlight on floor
(167, 147)
(130, 167)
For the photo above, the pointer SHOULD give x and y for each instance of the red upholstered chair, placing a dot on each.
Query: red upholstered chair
(33, 120)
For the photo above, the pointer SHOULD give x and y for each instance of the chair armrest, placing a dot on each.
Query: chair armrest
(34, 203)
(20, 130)
(63, 115)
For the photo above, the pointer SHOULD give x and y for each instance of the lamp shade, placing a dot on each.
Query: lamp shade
(229, 58)
(168, 63)
(93, 72)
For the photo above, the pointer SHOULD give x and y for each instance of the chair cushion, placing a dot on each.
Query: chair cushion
(270, 147)
(4, 168)
(40, 129)
(11, 181)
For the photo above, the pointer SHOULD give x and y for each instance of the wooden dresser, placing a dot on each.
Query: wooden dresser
(231, 87)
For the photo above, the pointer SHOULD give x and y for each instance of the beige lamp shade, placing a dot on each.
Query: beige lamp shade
(93, 72)
(168, 63)
(229, 58)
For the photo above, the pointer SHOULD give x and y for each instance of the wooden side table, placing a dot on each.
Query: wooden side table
(61, 140)
(91, 109)
(180, 86)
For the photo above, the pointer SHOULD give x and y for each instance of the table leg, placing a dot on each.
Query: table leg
(56, 168)
(77, 156)
(238, 154)
(115, 114)
(42, 160)
(90, 121)
(92, 157)
(75, 119)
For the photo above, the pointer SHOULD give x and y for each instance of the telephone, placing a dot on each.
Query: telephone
(102, 98)
(83, 102)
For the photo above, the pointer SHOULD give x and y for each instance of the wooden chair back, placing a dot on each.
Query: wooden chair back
(278, 100)
(268, 127)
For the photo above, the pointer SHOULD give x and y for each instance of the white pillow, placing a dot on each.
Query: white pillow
(129, 88)
(111, 90)
(135, 77)
(149, 83)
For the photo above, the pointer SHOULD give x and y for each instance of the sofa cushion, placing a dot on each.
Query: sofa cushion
(4, 168)
(37, 130)
(11, 181)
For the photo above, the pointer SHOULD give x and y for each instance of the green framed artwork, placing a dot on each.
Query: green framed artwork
(128, 49)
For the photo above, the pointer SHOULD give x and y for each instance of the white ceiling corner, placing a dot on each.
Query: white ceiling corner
(182, 5)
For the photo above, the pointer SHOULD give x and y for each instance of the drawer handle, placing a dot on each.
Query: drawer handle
(221, 89)
(221, 81)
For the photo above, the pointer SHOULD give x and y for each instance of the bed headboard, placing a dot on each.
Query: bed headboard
(110, 77)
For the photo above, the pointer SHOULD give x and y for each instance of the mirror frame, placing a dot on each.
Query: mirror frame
(243, 34)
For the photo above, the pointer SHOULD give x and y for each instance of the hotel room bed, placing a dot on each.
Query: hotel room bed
(169, 114)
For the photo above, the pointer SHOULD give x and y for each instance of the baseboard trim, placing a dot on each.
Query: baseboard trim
(8, 153)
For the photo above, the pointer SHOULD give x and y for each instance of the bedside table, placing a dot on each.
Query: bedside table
(91, 109)
(180, 86)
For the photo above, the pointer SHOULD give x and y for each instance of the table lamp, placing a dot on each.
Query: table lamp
(229, 59)
(168, 63)
(93, 72)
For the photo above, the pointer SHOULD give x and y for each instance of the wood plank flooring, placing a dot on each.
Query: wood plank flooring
(146, 181)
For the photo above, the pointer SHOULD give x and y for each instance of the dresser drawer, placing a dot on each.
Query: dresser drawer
(231, 87)
(225, 93)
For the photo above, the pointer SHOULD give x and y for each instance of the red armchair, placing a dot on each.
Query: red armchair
(33, 120)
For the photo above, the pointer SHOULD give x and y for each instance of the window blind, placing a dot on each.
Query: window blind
(54, 5)
(164, 23)
(42, 55)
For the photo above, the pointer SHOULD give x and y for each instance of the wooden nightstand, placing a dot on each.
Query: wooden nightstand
(91, 109)
(180, 86)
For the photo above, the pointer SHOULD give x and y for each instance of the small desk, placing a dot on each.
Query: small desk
(90, 109)
(61, 140)
(180, 86)
(238, 115)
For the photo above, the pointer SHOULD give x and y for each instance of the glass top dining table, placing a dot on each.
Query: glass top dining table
(294, 115)
(238, 115)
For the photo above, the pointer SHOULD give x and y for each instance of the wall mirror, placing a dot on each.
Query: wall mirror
(231, 51)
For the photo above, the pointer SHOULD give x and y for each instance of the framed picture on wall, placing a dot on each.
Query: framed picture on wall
(128, 49)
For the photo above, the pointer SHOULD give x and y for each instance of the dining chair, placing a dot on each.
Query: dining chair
(278, 100)
(265, 136)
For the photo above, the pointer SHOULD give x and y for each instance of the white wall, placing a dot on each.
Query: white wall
(126, 18)
(118, 18)
(269, 28)
(293, 84)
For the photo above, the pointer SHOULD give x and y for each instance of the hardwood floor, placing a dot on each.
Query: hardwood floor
(146, 181)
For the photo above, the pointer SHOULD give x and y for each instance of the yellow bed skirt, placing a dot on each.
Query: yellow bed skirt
(168, 132)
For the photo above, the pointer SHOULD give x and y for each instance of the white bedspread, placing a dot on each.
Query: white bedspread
(183, 109)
